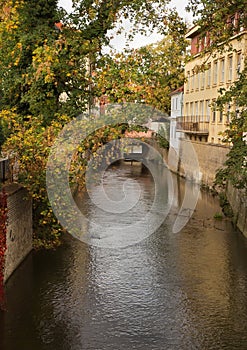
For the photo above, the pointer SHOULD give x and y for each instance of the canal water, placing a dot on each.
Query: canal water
(171, 291)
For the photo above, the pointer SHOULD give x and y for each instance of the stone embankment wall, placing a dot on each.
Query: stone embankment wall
(238, 202)
(209, 158)
(19, 227)
(198, 161)
(152, 155)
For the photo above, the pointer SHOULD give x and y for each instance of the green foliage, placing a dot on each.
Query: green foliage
(162, 138)
(146, 75)
(46, 71)
(226, 208)
(28, 145)
(23, 28)
(47, 77)
(95, 18)
(235, 169)
(218, 216)
(163, 143)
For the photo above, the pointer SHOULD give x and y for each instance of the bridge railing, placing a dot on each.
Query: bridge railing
(4, 169)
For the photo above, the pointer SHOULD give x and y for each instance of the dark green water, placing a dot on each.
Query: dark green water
(169, 291)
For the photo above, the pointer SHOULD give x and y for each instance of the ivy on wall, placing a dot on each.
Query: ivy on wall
(3, 231)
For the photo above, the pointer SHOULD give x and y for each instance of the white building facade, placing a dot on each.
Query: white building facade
(176, 111)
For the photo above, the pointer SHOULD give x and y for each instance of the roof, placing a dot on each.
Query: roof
(58, 26)
(192, 32)
(177, 91)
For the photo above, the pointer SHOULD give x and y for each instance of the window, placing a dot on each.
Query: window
(214, 116)
(193, 82)
(187, 109)
(191, 109)
(188, 81)
(209, 76)
(176, 104)
(222, 71)
(233, 21)
(201, 110)
(201, 46)
(202, 80)
(230, 61)
(241, 21)
(197, 80)
(196, 110)
(221, 117)
(228, 114)
(215, 72)
(239, 57)
(214, 112)
(207, 110)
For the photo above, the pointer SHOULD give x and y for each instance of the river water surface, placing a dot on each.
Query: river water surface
(174, 291)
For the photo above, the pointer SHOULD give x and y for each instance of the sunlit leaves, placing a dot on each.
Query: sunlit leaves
(146, 75)
(28, 145)
(48, 76)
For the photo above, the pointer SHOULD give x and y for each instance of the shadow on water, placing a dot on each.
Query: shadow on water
(185, 290)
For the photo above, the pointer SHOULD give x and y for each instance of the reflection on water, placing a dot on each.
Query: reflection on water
(121, 209)
(169, 291)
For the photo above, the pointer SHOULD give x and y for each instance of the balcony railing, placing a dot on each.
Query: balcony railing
(193, 125)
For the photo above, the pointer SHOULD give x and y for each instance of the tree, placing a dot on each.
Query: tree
(146, 75)
(25, 25)
(45, 79)
(40, 64)
(29, 145)
(235, 167)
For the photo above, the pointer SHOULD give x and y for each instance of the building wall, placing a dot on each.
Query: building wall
(177, 105)
(202, 88)
(19, 227)
(176, 111)
(157, 126)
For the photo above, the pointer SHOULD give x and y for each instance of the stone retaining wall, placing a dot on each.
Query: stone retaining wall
(238, 201)
(210, 157)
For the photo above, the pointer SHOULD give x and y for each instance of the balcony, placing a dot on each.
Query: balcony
(193, 125)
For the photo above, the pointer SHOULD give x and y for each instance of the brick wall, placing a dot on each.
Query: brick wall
(19, 227)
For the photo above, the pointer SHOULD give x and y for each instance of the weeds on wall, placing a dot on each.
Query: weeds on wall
(3, 231)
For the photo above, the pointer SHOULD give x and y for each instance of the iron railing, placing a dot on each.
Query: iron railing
(192, 124)
(4, 169)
